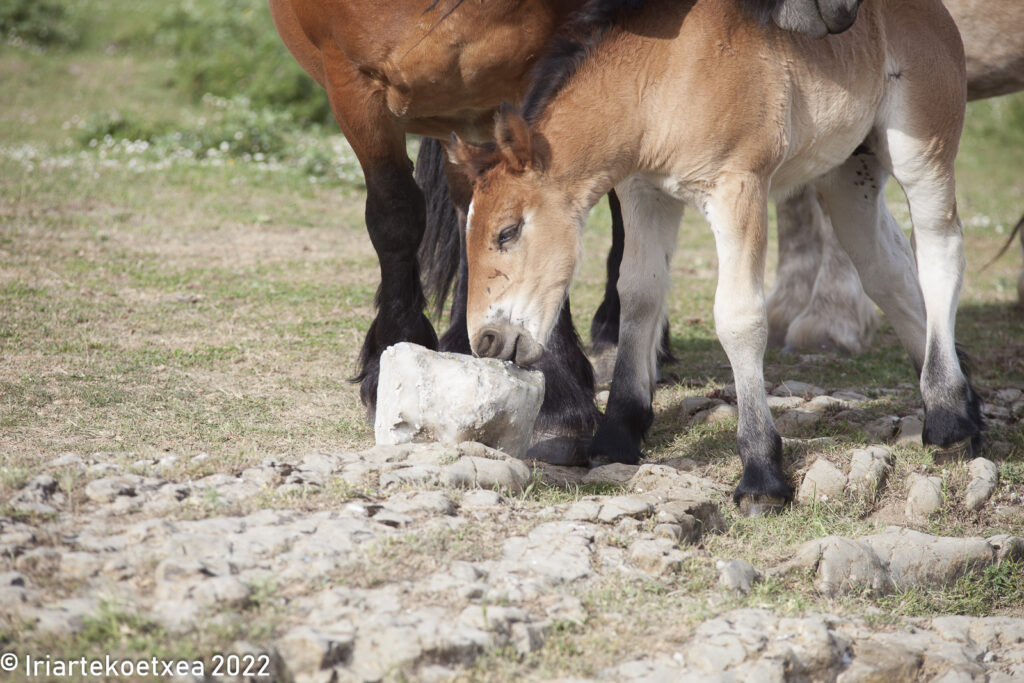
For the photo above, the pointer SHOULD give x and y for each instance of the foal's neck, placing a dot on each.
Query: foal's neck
(593, 128)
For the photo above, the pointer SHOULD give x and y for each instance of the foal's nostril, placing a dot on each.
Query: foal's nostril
(488, 344)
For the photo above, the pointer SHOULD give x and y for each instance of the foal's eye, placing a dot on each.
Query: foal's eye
(509, 234)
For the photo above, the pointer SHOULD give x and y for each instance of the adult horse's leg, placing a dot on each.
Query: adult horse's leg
(817, 302)
(738, 211)
(394, 216)
(651, 222)
(568, 415)
(800, 222)
(604, 329)
(839, 316)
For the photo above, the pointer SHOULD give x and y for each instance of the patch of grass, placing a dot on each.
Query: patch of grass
(43, 23)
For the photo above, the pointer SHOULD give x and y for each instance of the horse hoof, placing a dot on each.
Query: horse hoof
(761, 506)
(954, 452)
(557, 449)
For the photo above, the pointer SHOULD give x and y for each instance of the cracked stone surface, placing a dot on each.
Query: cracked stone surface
(377, 583)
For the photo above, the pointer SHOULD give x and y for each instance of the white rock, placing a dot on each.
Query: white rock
(984, 477)
(869, 468)
(424, 395)
(737, 575)
(911, 428)
(823, 481)
(924, 497)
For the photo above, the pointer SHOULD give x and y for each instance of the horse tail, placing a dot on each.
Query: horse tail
(439, 248)
(1009, 241)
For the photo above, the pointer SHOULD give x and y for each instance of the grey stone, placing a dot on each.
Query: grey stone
(850, 396)
(984, 478)
(615, 508)
(792, 387)
(924, 496)
(798, 420)
(869, 468)
(481, 498)
(585, 510)
(737, 575)
(694, 404)
(471, 472)
(882, 428)
(69, 460)
(656, 556)
(614, 473)
(107, 489)
(898, 558)
(223, 591)
(424, 395)
(914, 558)
(673, 532)
(826, 403)
(911, 428)
(304, 649)
(421, 502)
(558, 551)
(823, 482)
(875, 663)
(722, 412)
(1008, 396)
(780, 403)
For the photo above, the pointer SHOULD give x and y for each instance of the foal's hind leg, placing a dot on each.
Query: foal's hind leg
(651, 224)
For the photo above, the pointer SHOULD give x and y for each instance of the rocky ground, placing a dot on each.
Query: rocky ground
(429, 562)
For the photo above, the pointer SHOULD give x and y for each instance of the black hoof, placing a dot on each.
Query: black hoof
(761, 506)
(613, 443)
(760, 487)
(556, 449)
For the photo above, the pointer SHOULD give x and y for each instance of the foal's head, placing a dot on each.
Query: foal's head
(522, 242)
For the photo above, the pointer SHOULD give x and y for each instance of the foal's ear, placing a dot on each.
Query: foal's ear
(471, 159)
(515, 140)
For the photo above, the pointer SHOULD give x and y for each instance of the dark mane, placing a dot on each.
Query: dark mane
(584, 30)
(569, 48)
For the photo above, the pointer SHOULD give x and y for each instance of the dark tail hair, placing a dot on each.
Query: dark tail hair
(1009, 241)
(439, 249)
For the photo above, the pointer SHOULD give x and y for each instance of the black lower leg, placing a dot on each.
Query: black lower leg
(456, 338)
(626, 419)
(762, 480)
(604, 329)
(957, 419)
(568, 406)
(394, 220)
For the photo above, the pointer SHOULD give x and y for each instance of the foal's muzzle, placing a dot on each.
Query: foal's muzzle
(508, 342)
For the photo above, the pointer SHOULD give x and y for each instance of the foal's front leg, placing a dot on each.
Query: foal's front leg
(738, 212)
(651, 223)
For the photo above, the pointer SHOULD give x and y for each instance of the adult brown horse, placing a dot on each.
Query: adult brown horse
(699, 105)
(430, 69)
